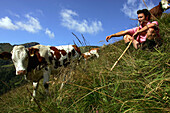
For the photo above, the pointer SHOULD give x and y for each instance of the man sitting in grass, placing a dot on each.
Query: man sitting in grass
(146, 33)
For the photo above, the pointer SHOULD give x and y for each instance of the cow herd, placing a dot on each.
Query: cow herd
(41, 61)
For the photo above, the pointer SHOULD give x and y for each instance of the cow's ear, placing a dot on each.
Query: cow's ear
(32, 51)
(5, 56)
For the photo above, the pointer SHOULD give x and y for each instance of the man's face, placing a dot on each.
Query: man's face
(141, 18)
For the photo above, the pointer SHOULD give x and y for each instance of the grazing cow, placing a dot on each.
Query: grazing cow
(63, 55)
(159, 9)
(40, 61)
(90, 53)
(67, 52)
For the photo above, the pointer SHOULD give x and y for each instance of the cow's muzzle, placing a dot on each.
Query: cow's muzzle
(21, 72)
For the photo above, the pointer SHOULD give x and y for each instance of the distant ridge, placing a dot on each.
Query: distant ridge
(5, 47)
(30, 44)
(8, 47)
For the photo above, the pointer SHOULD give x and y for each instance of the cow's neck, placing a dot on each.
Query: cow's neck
(33, 63)
(160, 7)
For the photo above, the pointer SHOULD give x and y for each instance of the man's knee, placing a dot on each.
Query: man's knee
(127, 38)
(150, 32)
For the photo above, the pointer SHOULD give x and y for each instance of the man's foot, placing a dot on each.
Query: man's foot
(136, 44)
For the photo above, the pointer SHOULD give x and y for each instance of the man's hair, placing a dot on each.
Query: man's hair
(145, 12)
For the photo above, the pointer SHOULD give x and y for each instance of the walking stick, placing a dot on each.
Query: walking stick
(121, 55)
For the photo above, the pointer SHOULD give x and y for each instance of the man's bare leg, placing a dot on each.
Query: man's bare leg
(128, 38)
(152, 35)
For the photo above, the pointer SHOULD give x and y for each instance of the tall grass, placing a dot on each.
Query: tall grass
(140, 82)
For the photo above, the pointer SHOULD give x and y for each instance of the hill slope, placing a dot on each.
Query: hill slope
(139, 83)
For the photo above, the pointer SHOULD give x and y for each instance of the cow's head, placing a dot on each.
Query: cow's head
(165, 4)
(20, 59)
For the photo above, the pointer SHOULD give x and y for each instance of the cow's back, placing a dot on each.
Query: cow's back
(44, 52)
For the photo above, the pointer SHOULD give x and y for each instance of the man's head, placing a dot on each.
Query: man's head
(143, 16)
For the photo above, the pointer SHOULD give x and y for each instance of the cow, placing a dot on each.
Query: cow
(159, 9)
(40, 61)
(92, 52)
(67, 52)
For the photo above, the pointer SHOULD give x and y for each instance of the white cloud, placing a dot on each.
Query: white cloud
(40, 12)
(49, 33)
(83, 26)
(6, 23)
(131, 2)
(131, 6)
(13, 14)
(32, 25)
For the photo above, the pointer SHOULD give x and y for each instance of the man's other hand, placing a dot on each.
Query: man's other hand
(108, 38)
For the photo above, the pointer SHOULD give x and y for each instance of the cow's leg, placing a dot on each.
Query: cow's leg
(97, 55)
(46, 80)
(25, 77)
(35, 86)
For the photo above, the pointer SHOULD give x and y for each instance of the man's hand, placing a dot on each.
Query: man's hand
(108, 38)
(135, 35)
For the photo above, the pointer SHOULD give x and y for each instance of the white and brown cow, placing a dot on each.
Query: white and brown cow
(64, 54)
(40, 61)
(159, 9)
(92, 52)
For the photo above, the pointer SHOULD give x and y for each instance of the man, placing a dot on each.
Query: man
(147, 31)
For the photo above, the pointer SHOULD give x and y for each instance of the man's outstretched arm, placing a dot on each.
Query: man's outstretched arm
(118, 34)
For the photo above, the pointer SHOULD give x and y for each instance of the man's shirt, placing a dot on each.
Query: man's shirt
(142, 36)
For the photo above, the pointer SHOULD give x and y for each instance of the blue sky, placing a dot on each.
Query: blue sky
(51, 22)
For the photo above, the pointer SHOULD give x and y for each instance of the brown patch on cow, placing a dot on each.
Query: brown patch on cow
(56, 52)
(77, 49)
(56, 55)
(85, 56)
(72, 53)
(63, 52)
(35, 60)
(5, 55)
(157, 11)
(35, 51)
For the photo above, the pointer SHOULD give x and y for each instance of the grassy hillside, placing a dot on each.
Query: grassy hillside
(140, 82)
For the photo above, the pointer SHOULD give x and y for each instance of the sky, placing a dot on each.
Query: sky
(52, 22)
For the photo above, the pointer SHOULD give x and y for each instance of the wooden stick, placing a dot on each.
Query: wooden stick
(121, 55)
